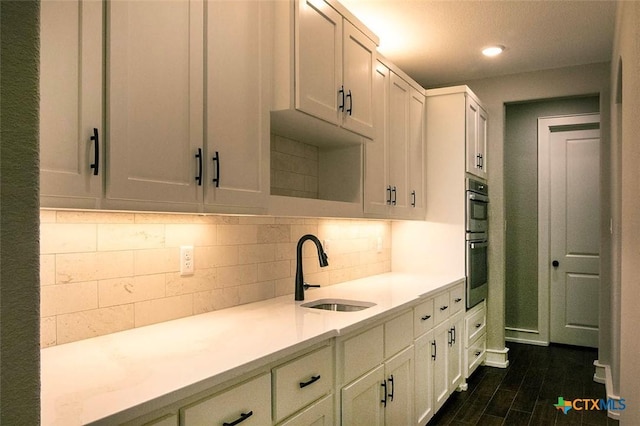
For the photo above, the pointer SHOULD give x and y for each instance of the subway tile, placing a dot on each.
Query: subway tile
(311, 152)
(72, 216)
(213, 256)
(284, 286)
(47, 332)
(130, 236)
(121, 291)
(157, 261)
(237, 234)
(190, 234)
(256, 253)
(92, 323)
(298, 231)
(288, 180)
(47, 216)
(66, 298)
(179, 218)
(268, 234)
(47, 269)
(274, 270)
(256, 220)
(285, 251)
(67, 238)
(160, 310)
(77, 267)
(289, 146)
(230, 276)
(256, 292)
(201, 280)
(289, 221)
(217, 299)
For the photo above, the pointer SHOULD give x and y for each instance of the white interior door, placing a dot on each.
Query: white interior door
(574, 231)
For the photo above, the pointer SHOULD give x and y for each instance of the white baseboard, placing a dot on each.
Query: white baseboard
(497, 358)
(524, 335)
(600, 373)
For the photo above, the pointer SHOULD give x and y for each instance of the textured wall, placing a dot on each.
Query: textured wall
(19, 354)
(103, 272)
(521, 202)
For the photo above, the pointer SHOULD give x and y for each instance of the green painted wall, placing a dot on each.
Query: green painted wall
(521, 202)
(19, 214)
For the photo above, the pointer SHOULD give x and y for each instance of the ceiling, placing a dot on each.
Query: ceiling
(440, 42)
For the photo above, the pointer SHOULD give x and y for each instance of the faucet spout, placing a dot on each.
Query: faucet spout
(322, 258)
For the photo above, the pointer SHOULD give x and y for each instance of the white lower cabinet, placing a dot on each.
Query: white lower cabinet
(424, 368)
(455, 354)
(317, 414)
(377, 373)
(248, 403)
(475, 337)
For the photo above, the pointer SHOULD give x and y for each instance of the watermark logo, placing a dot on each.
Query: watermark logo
(588, 404)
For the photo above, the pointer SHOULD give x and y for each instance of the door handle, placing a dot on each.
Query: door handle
(555, 263)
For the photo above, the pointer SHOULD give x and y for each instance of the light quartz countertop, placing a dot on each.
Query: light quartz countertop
(92, 379)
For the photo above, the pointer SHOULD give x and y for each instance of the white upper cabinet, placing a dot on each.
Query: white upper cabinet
(71, 116)
(325, 69)
(395, 158)
(155, 53)
(476, 136)
(238, 75)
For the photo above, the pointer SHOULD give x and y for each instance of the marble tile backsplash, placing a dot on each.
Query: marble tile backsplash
(103, 272)
(294, 168)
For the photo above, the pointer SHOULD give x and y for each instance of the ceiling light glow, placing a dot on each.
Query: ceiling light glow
(492, 51)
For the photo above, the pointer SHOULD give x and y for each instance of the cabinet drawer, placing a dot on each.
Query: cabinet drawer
(318, 414)
(476, 354)
(397, 334)
(362, 352)
(250, 400)
(423, 318)
(475, 323)
(298, 383)
(456, 299)
(441, 308)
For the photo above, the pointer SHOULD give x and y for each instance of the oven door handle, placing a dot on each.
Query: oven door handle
(479, 245)
(478, 197)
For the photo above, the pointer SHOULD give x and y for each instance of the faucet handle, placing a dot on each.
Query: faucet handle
(307, 286)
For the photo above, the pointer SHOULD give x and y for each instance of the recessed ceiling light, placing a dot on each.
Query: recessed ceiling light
(492, 51)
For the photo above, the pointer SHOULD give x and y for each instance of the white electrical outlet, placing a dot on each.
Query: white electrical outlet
(186, 260)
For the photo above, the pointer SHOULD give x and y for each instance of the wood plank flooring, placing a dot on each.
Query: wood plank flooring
(525, 392)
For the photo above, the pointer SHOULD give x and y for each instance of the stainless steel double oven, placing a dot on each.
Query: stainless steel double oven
(477, 226)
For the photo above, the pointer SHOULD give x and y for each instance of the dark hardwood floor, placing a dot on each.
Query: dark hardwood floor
(526, 391)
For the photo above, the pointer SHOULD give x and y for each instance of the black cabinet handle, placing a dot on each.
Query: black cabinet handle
(96, 155)
(216, 163)
(350, 109)
(394, 190)
(434, 352)
(477, 354)
(413, 198)
(449, 338)
(426, 317)
(243, 417)
(312, 380)
(199, 158)
(478, 325)
(341, 93)
(443, 308)
(389, 195)
(555, 263)
(384, 386)
(457, 300)
(392, 388)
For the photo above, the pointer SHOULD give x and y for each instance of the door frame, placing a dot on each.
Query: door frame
(545, 126)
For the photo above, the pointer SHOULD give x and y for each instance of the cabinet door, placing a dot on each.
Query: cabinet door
(238, 75)
(476, 138)
(361, 400)
(250, 401)
(358, 73)
(416, 160)
(398, 118)
(155, 100)
(318, 59)
(456, 351)
(70, 98)
(424, 352)
(400, 384)
(376, 172)
(440, 379)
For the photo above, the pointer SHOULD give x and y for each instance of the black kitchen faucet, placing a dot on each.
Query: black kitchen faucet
(301, 286)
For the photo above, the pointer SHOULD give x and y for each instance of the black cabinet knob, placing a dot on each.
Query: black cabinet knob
(555, 263)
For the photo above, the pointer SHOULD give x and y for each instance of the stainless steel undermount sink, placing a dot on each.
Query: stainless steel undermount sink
(339, 305)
